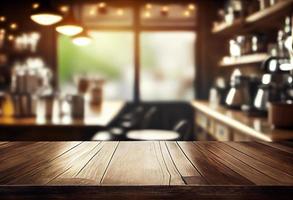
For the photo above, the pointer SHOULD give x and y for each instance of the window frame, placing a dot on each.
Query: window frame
(137, 28)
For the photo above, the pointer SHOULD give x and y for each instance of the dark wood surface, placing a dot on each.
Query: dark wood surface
(146, 170)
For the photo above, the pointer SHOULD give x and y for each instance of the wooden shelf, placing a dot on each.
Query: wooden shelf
(262, 19)
(243, 60)
(226, 28)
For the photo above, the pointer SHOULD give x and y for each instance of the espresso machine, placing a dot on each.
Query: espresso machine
(242, 90)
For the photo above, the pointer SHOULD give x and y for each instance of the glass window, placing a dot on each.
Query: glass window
(109, 57)
(167, 66)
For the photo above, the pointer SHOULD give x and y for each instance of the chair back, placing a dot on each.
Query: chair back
(147, 119)
(182, 127)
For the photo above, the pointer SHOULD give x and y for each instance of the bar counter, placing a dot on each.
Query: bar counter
(257, 128)
(63, 128)
(146, 170)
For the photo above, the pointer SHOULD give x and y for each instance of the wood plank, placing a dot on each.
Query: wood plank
(279, 146)
(272, 157)
(23, 163)
(97, 166)
(213, 171)
(76, 167)
(274, 173)
(50, 170)
(137, 163)
(147, 192)
(188, 172)
(175, 176)
(237, 165)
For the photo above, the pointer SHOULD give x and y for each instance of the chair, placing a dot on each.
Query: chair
(148, 117)
(183, 127)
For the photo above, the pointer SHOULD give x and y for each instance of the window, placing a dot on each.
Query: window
(167, 65)
(108, 57)
(151, 58)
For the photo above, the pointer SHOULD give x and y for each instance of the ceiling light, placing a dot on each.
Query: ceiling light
(148, 6)
(45, 14)
(93, 11)
(102, 8)
(69, 26)
(64, 8)
(186, 13)
(147, 14)
(10, 37)
(2, 18)
(82, 39)
(69, 29)
(35, 5)
(191, 7)
(13, 26)
(102, 5)
(164, 10)
(120, 12)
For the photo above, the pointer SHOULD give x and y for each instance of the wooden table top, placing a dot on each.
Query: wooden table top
(257, 127)
(93, 117)
(30, 167)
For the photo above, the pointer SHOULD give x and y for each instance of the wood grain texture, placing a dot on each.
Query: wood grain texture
(145, 170)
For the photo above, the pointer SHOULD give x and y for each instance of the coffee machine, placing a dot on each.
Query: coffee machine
(242, 90)
(275, 83)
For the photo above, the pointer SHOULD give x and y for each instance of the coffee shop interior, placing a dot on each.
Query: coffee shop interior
(146, 93)
(158, 70)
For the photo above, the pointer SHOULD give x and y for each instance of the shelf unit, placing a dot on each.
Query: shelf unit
(243, 60)
(263, 18)
(264, 21)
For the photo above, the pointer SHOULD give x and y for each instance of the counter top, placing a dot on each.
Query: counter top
(93, 117)
(146, 170)
(256, 127)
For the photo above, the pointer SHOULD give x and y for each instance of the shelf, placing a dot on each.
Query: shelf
(267, 18)
(226, 28)
(243, 60)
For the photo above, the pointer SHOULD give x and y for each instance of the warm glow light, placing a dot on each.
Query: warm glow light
(46, 19)
(2, 18)
(64, 8)
(35, 5)
(69, 30)
(165, 9)
(186, 13)
(10, 37)
(120, 12)
(2, 31)
(191, 7)
(147, 14)
(81, 40)
(148, 6)
(102, 5)
(93, 12)
(13, 26)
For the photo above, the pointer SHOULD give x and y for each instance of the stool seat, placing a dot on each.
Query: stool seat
(152, 135)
